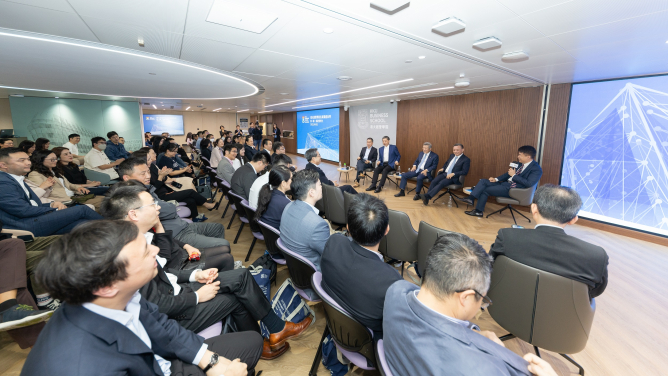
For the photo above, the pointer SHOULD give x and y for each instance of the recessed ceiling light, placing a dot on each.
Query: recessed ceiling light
(328, 30)
(421, 57)
(218, 109)
(284, 93)
(515, 56)
(188, 108)
(262, 112)
(141, 42)
(380, 96)
(449, 26)
(344, 78)
(243, 110)
(487, 43)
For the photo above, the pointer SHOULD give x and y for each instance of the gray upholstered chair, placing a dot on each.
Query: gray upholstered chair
(541, 308)
(427, 235)
(347, 201)
(334, 206)
(452, 187)
(518, 196)
(103, 178)
(402, 240)
(427, 180)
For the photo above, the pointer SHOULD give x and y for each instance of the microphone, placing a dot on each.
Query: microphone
(515, 165)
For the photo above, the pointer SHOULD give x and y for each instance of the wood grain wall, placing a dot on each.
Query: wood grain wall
(491, 126)
(555, 133)
(344, 136)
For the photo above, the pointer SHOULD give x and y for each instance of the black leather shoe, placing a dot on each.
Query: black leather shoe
(378, 190)
(400, 194)
(425, 200)
(371, 188)
(416, 197)
(474, 213)
(466, 200)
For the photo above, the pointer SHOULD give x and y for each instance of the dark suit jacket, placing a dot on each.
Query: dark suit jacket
(243, 179)
(256, 132)
(16, 211)
(77, 341)
(161, 188)
(250, 152)
(272, 216)
(393, 154)
(460, 168)
(373, 155)
(206, 153)
(528, 178)
(277, 134)
(430, 165)
(552, 250)
(323, 177)
(357, 279)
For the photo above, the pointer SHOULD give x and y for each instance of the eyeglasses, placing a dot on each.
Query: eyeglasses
(155, 203)
(486, 301)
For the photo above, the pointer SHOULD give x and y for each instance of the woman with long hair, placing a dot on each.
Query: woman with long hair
(43, 168)
(42, 144)
(228, 139)
(73, 173)
(272, 199)
(241, 159)
(189, 139)
(205, 150)
(217, 153)
(147, 138)
(27, 146)
(168, 160)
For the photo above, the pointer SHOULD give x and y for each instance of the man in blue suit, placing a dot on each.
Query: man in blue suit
(21, 209)
(423, 168)
(388, 159)
(457, 165)
(526, 175)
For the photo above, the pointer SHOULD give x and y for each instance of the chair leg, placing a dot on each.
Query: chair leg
(580, 369)
(251, 249)
(402, 269)
(231, 219)
(513, 215)
(439, 196)
(225, 211)
(498, 211)
(535, 348)
(239, 232)
(520, 213)
(507, 337)
(318, 354)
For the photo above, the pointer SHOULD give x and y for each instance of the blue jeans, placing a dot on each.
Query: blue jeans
(486, 188)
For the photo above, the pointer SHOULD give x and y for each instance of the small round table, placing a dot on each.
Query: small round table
(345, 171)
(467, 190)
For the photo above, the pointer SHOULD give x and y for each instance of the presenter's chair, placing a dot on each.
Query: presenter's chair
(518, 196)
(427, 235)
(451, 187)
(428, 179)
(352, 339)
(402, 240)
(543, 309)
(334, 206)
(366, 172)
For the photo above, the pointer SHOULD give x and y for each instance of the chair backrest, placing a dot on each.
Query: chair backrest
(347, 201)
(93, 175)
(320, 204)
(523, 195)
(382, 362)
(334, 205)
(250, 215)
(237, 200)
(427, 235)
(402, 240)
(300, 268)
(544, 309)
(271, 236)
(349, 335)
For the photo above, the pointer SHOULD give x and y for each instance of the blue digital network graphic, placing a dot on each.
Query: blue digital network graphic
(319, 129)
(157, 124)
(615, 153)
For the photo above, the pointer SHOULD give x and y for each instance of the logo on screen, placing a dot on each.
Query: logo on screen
(363, 119)
(305, 119)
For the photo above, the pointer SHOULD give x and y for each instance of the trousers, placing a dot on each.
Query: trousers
(383, 169)
(440, 181)
(61, 221)
(486, 188)
(247, 346)
(203, 235)
(411, 174)
(361, 166)
(189, 196)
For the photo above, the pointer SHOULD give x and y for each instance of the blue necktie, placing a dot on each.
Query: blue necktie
(452, 165)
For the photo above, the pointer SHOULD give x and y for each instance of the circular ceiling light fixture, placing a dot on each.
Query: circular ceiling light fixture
(344, 78)
(421, 57)
(284, 93)
(408, 61)
(328, 30)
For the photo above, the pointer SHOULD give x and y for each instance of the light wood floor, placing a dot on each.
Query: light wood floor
(627, 338)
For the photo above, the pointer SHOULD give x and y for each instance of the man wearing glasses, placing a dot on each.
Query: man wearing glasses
(427, 329)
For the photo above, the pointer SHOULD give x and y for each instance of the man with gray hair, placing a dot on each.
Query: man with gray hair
(427, 329)
(547, 247)
(314, 159)
(423, 167)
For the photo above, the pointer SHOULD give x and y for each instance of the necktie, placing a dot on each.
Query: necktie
(519, 170)
(421, 166)
(451, 165)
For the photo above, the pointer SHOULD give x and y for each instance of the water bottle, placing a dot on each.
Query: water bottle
(450, 202)
(339, 164)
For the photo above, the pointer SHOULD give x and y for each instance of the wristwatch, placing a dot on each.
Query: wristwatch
(212, 362)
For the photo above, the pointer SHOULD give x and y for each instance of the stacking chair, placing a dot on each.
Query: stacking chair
(271, 235)
(301, 270)
(334, 206)
(518, 196)
(225, 189)
(239, 210)
(427, 235)
(352, 339)
(451, 187)
(541, 308)
(382, 362)
(402, 240)
(255, 228)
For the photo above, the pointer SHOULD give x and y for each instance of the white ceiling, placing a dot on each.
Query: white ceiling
(567, 41)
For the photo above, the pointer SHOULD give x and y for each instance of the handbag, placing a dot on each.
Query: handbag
(289, 306)
(263, 271)
(82, 198)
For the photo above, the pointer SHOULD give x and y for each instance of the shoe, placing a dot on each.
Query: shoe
(356, 185)
(198, 219)
(400, 194)
(54, 305)
(238, 265)
(474, 213)
(22, 315)
(371, 188)
(425, 199)
(466, 200)
(360, 176)
(378, 190)
(291, 330)
(416, 197)
(269, 354)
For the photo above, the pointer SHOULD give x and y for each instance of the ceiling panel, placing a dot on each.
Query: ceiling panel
(213, 53)
(273, 64)
(528, 6)
(45, 21)
(167, 15)
(59, 5)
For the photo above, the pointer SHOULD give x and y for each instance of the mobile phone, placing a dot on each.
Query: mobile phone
(177, 185)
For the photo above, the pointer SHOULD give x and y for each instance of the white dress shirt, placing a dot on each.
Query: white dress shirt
(172, 278)
(129, 318)
(20, 180)
(366, 154)
(237, 163)
(313, 207)
(423, 161)
(386, 154)
(254, 194)
(73, 148)
(95, 158)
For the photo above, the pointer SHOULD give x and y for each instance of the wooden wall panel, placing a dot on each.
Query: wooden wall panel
(344, 136)
(491, 126)
(286, 122)
(555, 132)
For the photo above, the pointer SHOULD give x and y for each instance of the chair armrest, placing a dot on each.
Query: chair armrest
(17, 233)
(523, 195)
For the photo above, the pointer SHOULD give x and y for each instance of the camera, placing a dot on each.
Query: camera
(391, 100)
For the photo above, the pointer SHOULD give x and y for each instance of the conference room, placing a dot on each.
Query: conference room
(293, 187)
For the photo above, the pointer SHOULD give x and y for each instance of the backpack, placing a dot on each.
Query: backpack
(288, 305)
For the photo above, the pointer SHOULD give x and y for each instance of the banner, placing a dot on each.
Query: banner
(319, 129)
(372, 120)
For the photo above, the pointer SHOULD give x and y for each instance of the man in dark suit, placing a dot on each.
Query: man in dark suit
(105, 325)
(367, 159)
(547, 247)
(244, 176)
(457, 165)
(21, 209)
(256, 131)
(249, 148)
(266, 149)
(424, 166)
(388, 160)
(353, 272)
(428, 329)
(314, 159)
(526, 175)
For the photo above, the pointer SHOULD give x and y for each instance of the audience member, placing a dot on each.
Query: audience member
(202, 136)
(20, 208)
(278, 149)
(121, 140)
(256, 131)
(302, 230)
(115, 150)
(147, 139)
(96, 271)
(73, 173)
(42, 144)
(354, 273)
(72, 145)
(314, 160)
(6, 143)
(281, 160)
(272, 199)
(548, 247)
(242, 157)
(97, 160)
(266, 149)
(27, 147)
(189, 139)
(225, 168)
(222, 131)
(243, 178)
(168, 160)
(217, 152)
(206, 151)
(428, 329)
(238, 131)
